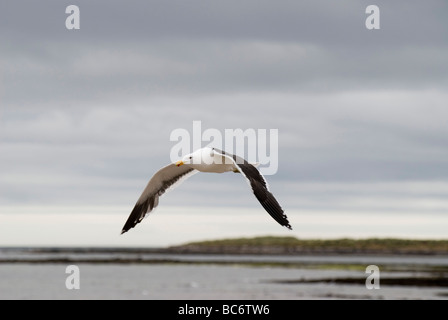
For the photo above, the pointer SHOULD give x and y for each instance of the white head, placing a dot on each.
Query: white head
(199, 157)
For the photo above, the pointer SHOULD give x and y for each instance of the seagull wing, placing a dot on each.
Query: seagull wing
(163, 180)
(259, 187)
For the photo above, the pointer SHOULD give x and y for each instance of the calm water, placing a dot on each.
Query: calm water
(194, 281)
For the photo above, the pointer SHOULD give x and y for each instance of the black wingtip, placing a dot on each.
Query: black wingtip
(126, 227)
(286, 222)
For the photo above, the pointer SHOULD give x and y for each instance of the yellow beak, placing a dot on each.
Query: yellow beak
(179, 163)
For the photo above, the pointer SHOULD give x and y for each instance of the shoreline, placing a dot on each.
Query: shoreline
(267, 245)
(222, 250)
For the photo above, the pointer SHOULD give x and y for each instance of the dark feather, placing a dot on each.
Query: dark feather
(260, 189)
(266, 198)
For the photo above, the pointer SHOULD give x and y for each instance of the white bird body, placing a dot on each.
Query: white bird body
(208, 160)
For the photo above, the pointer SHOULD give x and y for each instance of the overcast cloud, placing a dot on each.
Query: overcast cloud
(86, 115)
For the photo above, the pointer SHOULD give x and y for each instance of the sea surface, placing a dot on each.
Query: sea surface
(34, 274)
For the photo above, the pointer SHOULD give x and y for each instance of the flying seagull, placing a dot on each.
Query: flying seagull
(204, 160)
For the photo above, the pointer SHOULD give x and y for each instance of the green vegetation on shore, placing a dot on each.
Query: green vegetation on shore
(292, 244)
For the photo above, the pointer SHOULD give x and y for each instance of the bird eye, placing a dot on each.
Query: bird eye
(191, 157)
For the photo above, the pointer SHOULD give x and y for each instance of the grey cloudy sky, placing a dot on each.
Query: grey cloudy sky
(86, 115)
